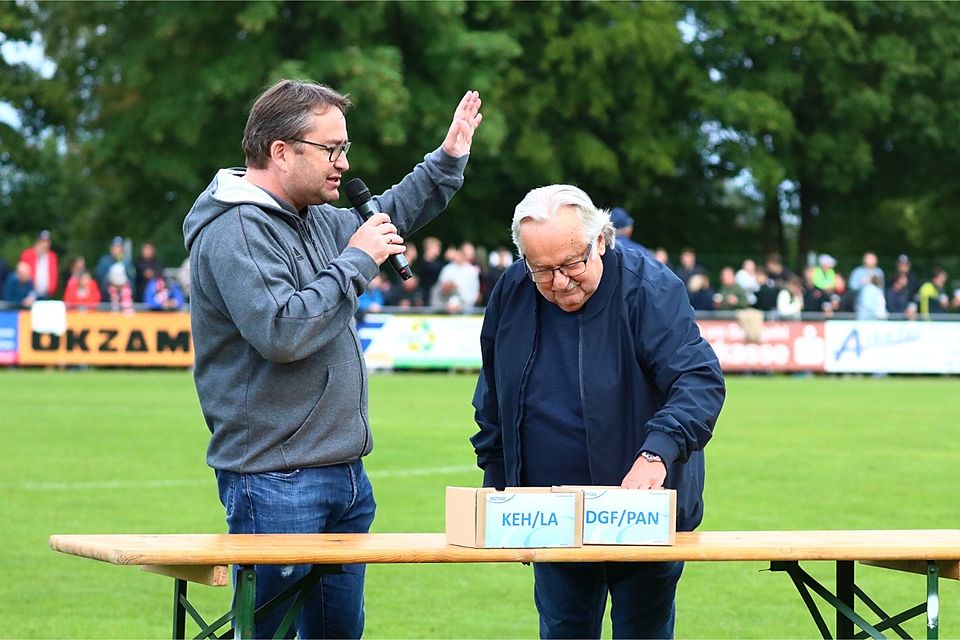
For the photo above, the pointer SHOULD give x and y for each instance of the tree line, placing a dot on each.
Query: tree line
(735, 127)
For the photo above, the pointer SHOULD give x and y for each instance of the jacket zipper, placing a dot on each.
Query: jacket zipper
(303, 231)
(523, 384)
(307, 237)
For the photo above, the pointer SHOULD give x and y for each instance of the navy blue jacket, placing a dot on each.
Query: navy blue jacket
(648, 380)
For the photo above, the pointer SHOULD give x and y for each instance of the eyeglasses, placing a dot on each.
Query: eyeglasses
(335, 150)
(570, 270)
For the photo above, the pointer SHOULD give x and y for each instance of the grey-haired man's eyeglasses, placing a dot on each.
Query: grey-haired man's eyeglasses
(335, 150)
(570, 270)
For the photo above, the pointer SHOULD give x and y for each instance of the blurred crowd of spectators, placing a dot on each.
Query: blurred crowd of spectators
(118, 282)
(866, 292)
(458, 278)
(454, 280)
(771, 287)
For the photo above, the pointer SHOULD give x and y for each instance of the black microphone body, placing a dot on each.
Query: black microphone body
(359, 196)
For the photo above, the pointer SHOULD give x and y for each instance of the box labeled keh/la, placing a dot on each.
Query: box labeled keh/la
(514, 518)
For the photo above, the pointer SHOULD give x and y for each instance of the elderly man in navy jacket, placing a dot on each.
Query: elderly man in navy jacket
(594, 373)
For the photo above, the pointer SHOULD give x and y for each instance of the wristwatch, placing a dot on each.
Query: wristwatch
(651, 457)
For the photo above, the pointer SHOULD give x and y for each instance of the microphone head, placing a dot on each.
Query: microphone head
(357, 192)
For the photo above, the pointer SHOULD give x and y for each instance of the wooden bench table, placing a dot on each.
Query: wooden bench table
(203, 558)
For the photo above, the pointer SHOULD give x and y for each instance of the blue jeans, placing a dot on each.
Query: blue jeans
(334, 499)
(571, 598)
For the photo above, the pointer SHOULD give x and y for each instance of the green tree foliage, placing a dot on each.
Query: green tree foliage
(605, 97)
(35, 174)
(847, 107)
(150, 99)
(840, 113)
(157, 93)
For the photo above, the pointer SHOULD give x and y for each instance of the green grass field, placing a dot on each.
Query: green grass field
(123, 452)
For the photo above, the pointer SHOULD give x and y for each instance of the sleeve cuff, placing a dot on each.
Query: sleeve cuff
(445, 163)
(662, 445)
(366, 266)
(495, 475)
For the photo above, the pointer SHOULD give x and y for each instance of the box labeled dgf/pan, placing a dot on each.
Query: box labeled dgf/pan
(514, 518)
(613, 515)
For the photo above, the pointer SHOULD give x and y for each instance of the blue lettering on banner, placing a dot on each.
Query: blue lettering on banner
(529, 519)
(852, 339)
(9, 336)
(366, 331)
(892, 336)
(621, 518)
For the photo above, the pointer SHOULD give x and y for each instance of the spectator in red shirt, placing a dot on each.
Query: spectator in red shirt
(82, 292)
(43, 265)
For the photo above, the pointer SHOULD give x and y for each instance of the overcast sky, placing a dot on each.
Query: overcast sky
(30, 53)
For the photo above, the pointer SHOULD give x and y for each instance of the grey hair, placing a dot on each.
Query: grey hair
(283, 112)
(543, 203)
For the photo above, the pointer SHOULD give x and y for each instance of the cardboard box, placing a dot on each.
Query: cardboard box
(515, 518)
(613, 515)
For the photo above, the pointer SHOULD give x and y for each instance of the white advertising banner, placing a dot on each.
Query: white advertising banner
(892, 347)
(836, 346)
(421, 342)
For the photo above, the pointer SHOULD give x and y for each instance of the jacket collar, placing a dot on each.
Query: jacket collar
(609, 281)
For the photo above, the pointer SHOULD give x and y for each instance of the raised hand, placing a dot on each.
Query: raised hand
(466, 119)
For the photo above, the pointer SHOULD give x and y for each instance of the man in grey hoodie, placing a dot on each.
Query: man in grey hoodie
(275, 273)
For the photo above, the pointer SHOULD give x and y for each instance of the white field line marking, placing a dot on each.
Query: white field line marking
(106, 484)
(425, 471)
(163, 484)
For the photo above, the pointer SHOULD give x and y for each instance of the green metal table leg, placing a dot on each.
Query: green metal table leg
(933, 600)
(797, 575)
(888, 621)
(179, 613)
(804, 580)
(243, 612)
(845, 595)
(245, 603)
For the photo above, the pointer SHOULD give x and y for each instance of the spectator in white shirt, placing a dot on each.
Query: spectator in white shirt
(458, 286)
(872, 303)
(747, 279)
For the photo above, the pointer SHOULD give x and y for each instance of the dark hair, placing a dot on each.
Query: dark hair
(283, 112)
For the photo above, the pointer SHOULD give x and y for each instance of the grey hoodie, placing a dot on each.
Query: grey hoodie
(278, 365)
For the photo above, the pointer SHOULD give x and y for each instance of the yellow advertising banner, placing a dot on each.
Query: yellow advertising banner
(106, 338)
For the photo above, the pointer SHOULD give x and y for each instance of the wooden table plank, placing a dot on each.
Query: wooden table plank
(948, 568)
(213, 549)
(210, 575)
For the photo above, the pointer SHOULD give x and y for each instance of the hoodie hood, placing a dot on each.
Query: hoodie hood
(226, 190)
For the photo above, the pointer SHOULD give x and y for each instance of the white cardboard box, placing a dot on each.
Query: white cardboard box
(613, 515)
(525, 517)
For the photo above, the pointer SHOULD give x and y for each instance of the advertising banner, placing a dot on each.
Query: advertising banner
(892, 347)
(421, 342)
(110, 339)
(782, 346)
(444, 342)
(9, 326)
(103, 338)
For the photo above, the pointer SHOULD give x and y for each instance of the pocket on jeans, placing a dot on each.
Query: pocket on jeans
(227, 488)
(282, 475)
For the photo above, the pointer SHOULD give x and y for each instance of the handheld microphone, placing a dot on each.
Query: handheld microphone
(359, 196)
